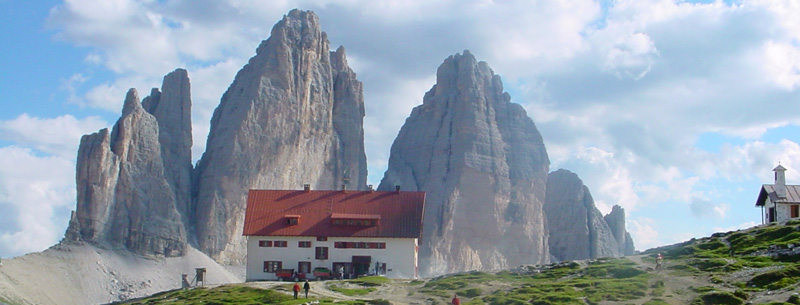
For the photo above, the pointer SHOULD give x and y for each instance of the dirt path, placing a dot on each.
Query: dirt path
(665, 285)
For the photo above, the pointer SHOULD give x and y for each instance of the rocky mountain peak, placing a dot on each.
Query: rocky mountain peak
(483, 164)
(131, 102)
(616, 221)
(128, 193)
(292, 116)
(577, 228)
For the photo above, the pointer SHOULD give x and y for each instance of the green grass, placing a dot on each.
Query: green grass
(351, 291)
(717, 298)
(218, 295)
(658, 289)
(776, 279)
(655, 301)
(470, 293)
(371, 281)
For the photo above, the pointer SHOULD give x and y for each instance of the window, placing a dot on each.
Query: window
(358, 245)
(795, 211)
(321, 253)
(304, 244)
(272, 266)
(355, 220)
(322, 238)
(304, 267)
(280, 243)
(292, 219)
(265, 243)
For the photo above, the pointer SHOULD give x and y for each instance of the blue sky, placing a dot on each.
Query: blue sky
(677, 111)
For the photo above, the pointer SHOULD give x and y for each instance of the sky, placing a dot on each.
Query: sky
(675, 110)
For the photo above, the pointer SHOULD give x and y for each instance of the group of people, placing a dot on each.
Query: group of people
(296, 288)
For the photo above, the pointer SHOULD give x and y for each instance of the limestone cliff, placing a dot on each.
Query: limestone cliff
(484, 167)
(172, 109)
(132, 182)
(577, 228)
(292, 116)
(616, 221)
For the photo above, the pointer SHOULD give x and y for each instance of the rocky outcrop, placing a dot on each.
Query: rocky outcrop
(483, 166)
(132, 187)
(292, 116)
(616, 221)
(577, 228)
(172, 109)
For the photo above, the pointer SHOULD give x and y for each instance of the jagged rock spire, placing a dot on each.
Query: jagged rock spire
(129, 191)
(292, 116)
(484, 167)
(577, 228)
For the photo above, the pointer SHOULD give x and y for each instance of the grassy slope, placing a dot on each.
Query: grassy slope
(726, 268)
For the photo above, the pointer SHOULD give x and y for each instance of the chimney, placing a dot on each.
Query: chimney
(370, 188)
(780, 181)
(397, 189)
(306, 187)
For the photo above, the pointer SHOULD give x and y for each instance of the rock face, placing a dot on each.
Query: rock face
(132, 182)
(577, 228)
(292, 116)
(484, 167)
(616, 221)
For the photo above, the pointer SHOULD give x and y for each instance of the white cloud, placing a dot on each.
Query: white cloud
(706, 209)
(643, 233)
(783, 64)
(70, 85)
(36, 195)
(59, 136)
(632, 56)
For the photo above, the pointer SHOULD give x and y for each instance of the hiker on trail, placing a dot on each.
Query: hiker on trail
(296, 289)
(456, 300)
(659, 260)
(306, 287)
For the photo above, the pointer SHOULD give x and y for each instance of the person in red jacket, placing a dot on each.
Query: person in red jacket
(296, 289)
(456, 301)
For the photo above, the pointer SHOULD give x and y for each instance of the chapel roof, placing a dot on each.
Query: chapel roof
(768, 191)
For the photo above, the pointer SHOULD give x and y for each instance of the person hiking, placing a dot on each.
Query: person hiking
(306, 287)
(456, 300)
(659, 260)
(296, 289)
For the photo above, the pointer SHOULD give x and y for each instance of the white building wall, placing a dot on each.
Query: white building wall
(783, 211)
(400, 255)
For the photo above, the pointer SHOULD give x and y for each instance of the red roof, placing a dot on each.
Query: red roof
(398, 214)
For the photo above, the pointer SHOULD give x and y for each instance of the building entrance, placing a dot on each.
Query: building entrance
(361, 265)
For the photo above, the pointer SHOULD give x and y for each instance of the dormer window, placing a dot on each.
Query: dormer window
(292, 219)
(355, 220)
